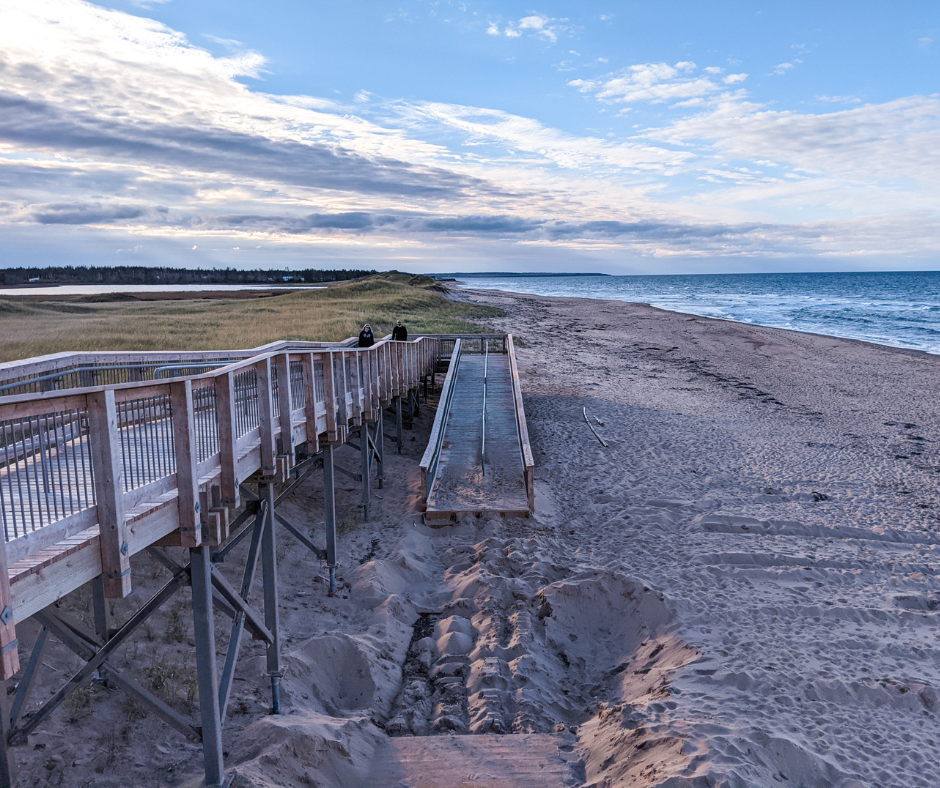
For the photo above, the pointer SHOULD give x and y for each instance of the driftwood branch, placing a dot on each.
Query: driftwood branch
(591, 426)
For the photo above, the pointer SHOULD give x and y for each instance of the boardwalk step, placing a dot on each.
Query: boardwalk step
(523, 760)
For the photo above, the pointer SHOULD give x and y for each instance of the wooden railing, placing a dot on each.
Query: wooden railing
(97, 474)
(432, 454)
(526, 447)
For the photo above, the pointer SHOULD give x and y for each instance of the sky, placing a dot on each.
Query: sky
(436, 136)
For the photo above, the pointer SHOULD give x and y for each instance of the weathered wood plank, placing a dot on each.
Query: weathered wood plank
(105, 445)
(187, 481)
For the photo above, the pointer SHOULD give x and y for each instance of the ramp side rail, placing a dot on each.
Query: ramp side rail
(432, 454)
(526, 447)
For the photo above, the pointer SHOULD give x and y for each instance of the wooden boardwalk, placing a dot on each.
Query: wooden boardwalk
(124, 460)
(483, 463)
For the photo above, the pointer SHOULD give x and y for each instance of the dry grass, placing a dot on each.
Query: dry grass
(36, 328)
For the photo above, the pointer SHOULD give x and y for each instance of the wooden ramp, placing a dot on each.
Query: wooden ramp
(523, 760)
(478, 459)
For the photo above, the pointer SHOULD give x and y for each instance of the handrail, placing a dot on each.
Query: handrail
(432, 454)
(486, 361)
(525, 446)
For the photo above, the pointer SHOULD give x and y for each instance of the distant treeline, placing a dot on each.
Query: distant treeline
(145, 275)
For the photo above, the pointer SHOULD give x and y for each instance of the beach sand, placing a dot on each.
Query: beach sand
(741, 589)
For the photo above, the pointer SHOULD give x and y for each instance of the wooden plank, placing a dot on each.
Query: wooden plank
(40, 404)
(105, 446)
(285, 408)
(187, 480)
(342, 415)
(266, 422)
(330, 385)
(310, 402)
(9, 656)
(225, 413)
(527, 457)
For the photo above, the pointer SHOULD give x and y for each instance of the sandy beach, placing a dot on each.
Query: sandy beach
(739, 589)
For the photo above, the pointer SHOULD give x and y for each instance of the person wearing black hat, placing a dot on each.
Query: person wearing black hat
(400, 333)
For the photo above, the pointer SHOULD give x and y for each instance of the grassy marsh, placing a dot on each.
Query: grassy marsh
(35, 327)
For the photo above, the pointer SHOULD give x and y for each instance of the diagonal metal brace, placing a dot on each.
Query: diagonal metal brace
(355, 476)
(318, 552)
(253, 621)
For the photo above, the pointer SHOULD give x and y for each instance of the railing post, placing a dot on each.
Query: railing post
(330, 385)
(105, 445)
(310, 402)
(285, 406)
(187, 482)
(266, 417)
(8, 643)
(342, 411)
(228, 437)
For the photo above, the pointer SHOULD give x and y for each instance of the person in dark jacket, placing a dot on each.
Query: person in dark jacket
(365, 336)
(399, 333)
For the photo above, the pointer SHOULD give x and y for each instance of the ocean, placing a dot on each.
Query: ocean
(899, 309)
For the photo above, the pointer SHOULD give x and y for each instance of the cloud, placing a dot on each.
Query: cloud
(898, 139)
(926, 41)
(540, 25)
(67, 213)
(649, 82)
(116, 132)
(782, 68)
(537, 25)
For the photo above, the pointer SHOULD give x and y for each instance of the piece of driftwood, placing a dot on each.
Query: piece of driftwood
(591, 427)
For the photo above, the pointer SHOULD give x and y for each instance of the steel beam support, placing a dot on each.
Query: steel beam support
(238, 623)
(379, 444)
(366, 474)
(26, 682)
(329, 506)
(101, 609)
(398, 423)
(7, 765)
(302, 538)
(269, 579)
(204, 626)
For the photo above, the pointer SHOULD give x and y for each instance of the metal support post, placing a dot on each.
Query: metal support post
(7, 766)
(102, 612)
(398, 422)
(409, 410)
(380, 445)
(204, 629)
(329, 505)
(364, 449)
(269, 579)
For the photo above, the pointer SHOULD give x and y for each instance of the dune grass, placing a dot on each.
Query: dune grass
(34, 328)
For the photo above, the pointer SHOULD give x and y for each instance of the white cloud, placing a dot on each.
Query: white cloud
(782, 68)
(95, 102)
(493, 29)
(652, 82)
(840, 99)
(733, 79)
(606, 17)
(926, 41)
(539, 25)
(511, 32)
(713, 70)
